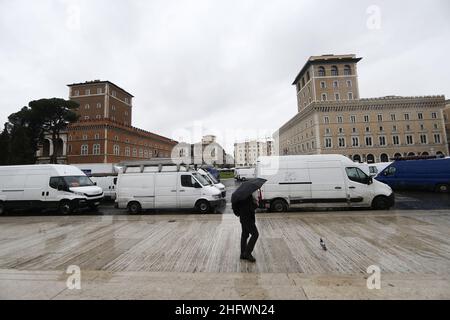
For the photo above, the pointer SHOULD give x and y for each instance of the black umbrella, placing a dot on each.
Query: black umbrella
(246, 189)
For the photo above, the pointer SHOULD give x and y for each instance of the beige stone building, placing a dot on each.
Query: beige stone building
(447, 121)
(246, 153)
(332, 118)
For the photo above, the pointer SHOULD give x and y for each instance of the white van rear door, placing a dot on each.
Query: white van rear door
(327, 182)
(166, 190)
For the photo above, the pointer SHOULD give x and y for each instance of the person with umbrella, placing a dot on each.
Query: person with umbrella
(244, 205)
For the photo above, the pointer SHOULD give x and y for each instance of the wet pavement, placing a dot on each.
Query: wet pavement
(182, 255)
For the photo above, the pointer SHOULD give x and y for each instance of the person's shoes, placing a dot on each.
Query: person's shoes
(250, 258)
(242, 256)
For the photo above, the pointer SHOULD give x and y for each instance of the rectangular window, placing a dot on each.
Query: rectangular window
(395, 140)
(368, 141)
(352, 119)
(433, 115)
(77, 93)
(341, 142)
(350, 96)
(339, 119)
(88, 92)
(335, 84)
(84, 149)
(355, 142)
(323, 85)
(380, 117)
(366, 118)
(327, 131)
(437, 138)
(324, 97)
(409, 139)
(337, 97)
(113, 93)
(420, 116)
(382, 140)
(99, 91)
(394, 128)
(86, 106)
(393, 117)
(423, 138)
(327, 142)
(406, 116)
(187, 181)
(349, 83)
(326, 119)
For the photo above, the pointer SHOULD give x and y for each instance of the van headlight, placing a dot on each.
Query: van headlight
(217, 196)
(79, 194)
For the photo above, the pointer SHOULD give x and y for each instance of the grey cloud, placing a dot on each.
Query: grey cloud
(228, 63)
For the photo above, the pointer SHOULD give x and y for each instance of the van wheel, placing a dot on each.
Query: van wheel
(65, 207)
(442, 188)
(203, 206)
(278, 206)
(380, 203)
(2, 208)
(134, 207)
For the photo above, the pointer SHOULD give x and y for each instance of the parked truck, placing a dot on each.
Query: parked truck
(423, 174)
(47, 186)
(319, 181)
(165, 186)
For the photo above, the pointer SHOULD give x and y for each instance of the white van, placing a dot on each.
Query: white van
(319, 181)
(108, 185)
(47, 186)
(242, 174)
(165, 187)
(208, 176)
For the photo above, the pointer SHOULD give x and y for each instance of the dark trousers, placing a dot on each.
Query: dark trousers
(248, 228)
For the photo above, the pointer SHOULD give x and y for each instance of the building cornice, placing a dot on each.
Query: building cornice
(101, 124)
(388, 102)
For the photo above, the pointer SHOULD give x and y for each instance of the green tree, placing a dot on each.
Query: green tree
(53, 115)
(4, 146)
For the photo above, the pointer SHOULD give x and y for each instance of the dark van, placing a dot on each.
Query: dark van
(429, 174)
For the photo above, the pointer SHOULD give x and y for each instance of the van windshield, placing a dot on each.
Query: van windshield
(77, 181)
(201, 179)
(211, 177)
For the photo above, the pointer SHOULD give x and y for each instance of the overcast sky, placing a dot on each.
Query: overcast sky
(221, 67)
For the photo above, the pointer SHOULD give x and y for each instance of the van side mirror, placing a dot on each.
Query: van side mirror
(369, 181)
(197, 185)
(95, 183)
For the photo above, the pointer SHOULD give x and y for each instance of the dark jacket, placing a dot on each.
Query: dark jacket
(245, 209)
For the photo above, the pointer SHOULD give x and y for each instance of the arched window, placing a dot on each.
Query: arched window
(134, 152)
(96, 149)
(46, 148)
(384, 157)
(411, 154)
(84, 149)
(127, 151)
(334, 71)
(357, 158)
(370, 158)
(425, 153)
(397, 155)
(116, 150)
(347, 70)
(321, 72)
(439, 154)
(59, 147)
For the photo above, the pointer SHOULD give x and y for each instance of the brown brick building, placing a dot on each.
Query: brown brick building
(104, 133)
